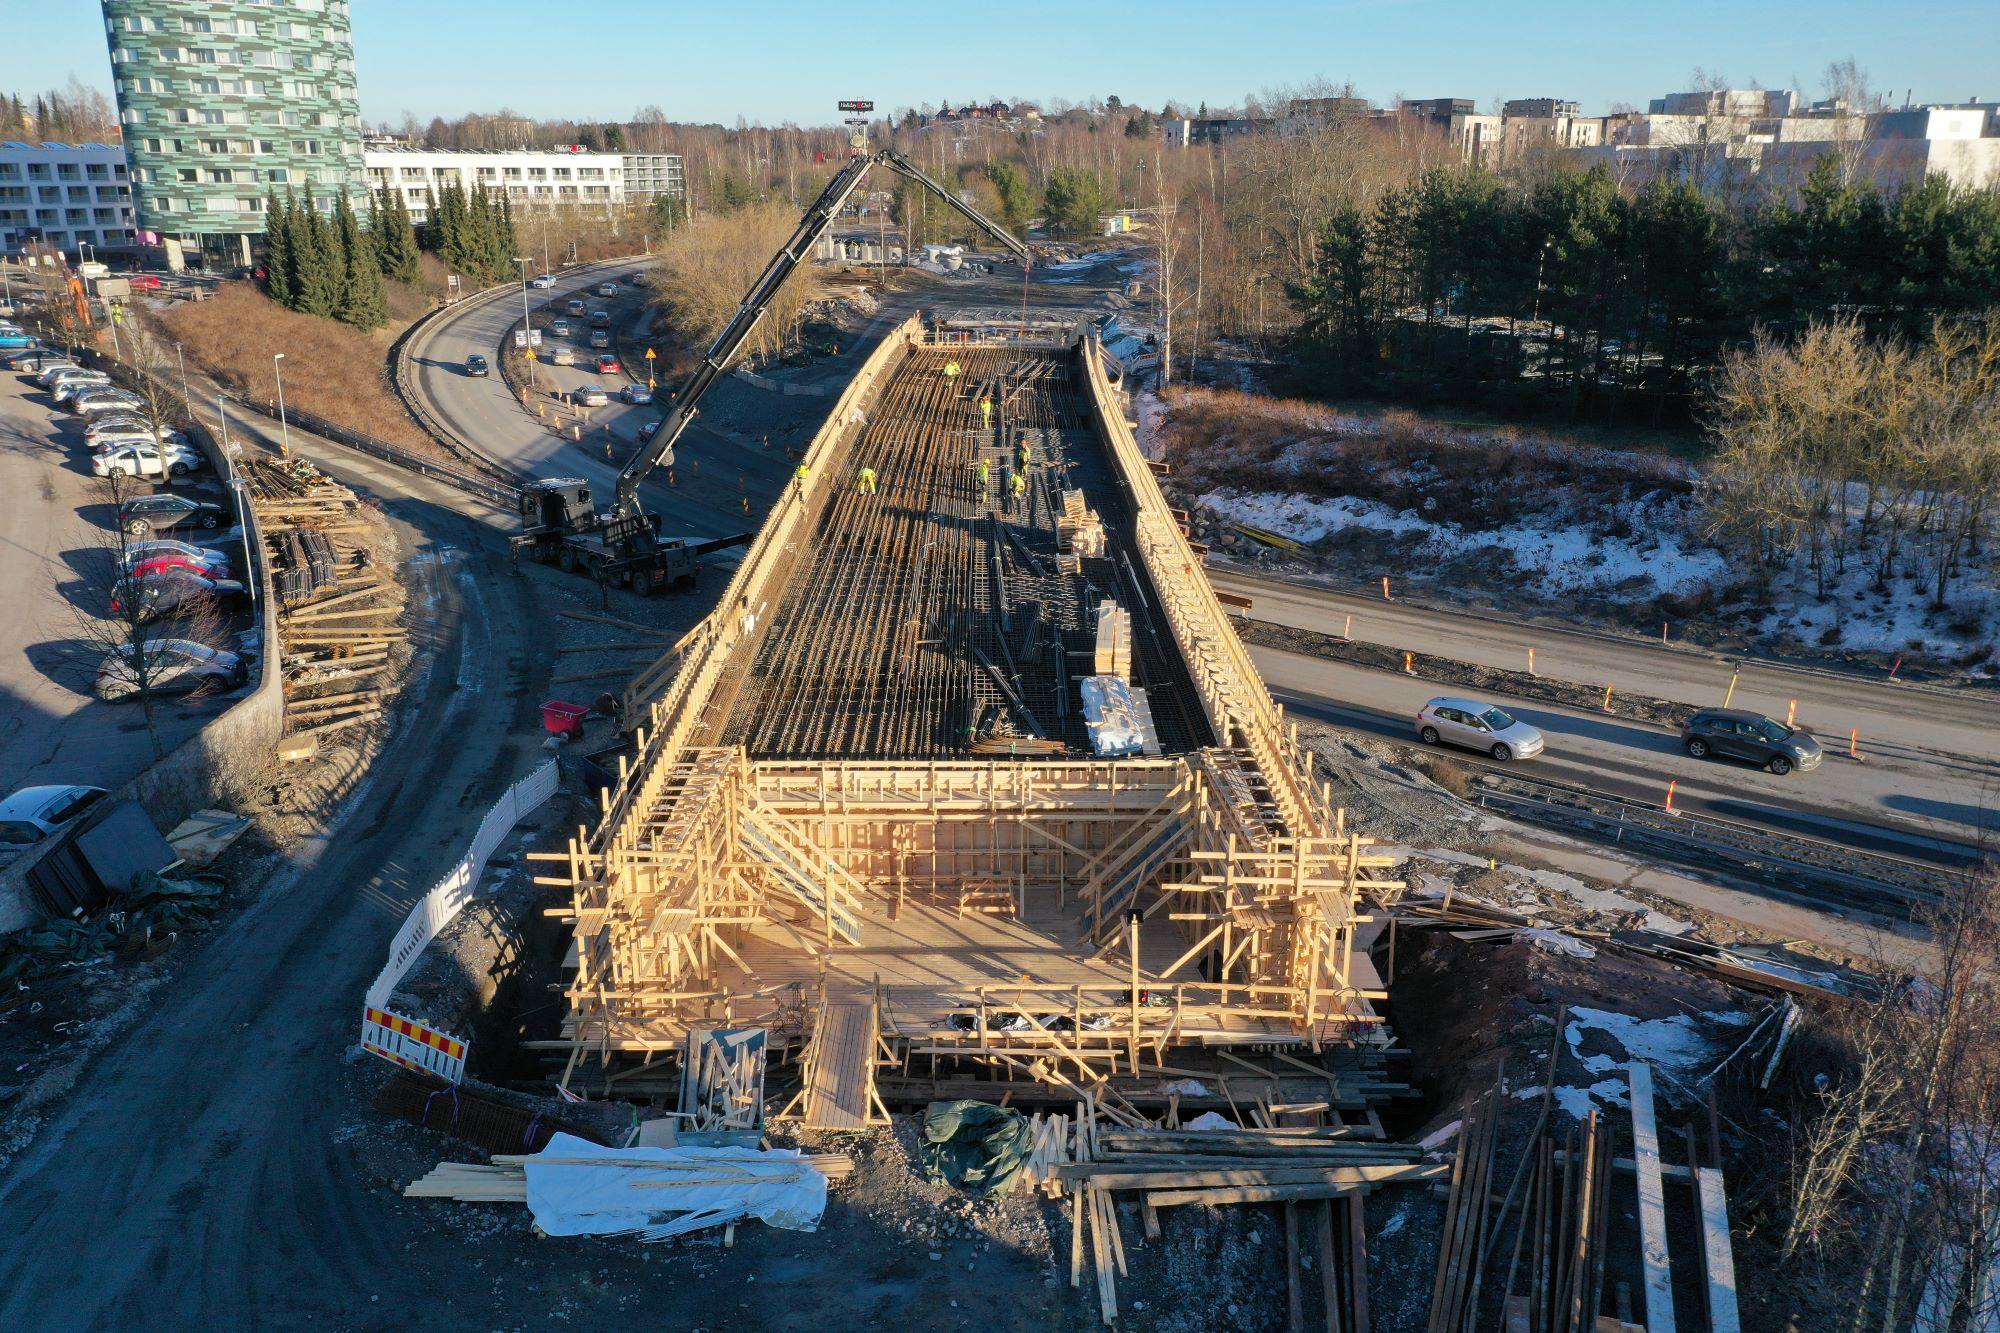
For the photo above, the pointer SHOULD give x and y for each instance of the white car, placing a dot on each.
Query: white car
(607, 289)
(145, 459)
(104, 402)
(141, 434)
(33, 813)
(1474, 725)
(175, 666)
(47, 374)
(542, 280)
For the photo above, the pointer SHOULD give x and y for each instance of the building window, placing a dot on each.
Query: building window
(189, 175)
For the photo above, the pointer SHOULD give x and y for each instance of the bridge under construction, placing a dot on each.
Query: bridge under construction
(968, 775)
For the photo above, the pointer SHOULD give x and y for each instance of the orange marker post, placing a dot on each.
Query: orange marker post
(1347, 630)
(1894, 669)
(1409, 664)
(1670, 796)
(1854, 743)
(1607, 698)
(1531, 661)
(1663, 634)
(1792, 713)
(1385, 588)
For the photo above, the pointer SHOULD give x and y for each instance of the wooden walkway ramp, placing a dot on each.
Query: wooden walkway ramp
(840, 1086)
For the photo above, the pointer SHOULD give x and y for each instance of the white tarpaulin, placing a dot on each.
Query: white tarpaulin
(577, 1188)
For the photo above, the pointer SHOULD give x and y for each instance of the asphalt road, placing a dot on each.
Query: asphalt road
(196, 1176)
(1931, 764)
(57, 536)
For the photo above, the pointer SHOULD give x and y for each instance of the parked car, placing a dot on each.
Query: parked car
(542, 281)
(143, 559)
(146, 459)
(16, 338)
(66, 390)
(45, 374)
(637, 279)
(115, 424)
(607, 364)
(607, 289)
(600, 338)
(104, 401)
(1733, 733)
(576, 306)
(32, 358)
(648, 431)
(161, 594)
(144, 282)
(34, 814)
(592, 396)
(55, 379)
(559, 328)
(1477, 726)
(475, 365)
(562, 355)
(147, 514)
(174, 666)
(636, 393)
(600, 319)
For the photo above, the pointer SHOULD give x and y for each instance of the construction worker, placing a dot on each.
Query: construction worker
(1017, 490)
(1021, 453)
(868, 481)
(985, 412)
(800, 478)
(985, 475)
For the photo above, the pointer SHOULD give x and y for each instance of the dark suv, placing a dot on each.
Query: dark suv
(1735, 734)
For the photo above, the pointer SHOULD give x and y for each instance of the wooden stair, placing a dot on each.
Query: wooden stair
(840, 1085)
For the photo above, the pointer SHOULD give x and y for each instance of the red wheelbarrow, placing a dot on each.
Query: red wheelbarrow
(561, 718)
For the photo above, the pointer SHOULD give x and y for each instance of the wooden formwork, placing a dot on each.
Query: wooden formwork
(1065, 918)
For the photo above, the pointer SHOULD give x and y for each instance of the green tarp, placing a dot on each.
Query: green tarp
(976, 1146)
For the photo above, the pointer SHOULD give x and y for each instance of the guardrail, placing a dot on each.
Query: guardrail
(499, 492)
(1691, 837)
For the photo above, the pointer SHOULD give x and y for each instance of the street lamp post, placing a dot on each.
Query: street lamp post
(284, 429)
(527, 324)
(187, 399)
(81, 246)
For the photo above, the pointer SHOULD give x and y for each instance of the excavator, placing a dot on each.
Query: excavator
(560, 523)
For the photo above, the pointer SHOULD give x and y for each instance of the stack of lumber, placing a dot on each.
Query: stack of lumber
(338, 623)
(1169, 1168)
(1466, 918)
(722, 1080)
(1049, 1135)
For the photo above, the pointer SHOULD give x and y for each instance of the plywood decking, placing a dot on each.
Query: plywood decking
(842, 1082)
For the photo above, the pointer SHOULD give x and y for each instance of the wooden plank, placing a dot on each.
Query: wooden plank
(1250, 1194)
(1357, 1261)
(1295, 1306)
(843, 1059)
(1722, 1312)
(1111, 1178)
(1653, 1255)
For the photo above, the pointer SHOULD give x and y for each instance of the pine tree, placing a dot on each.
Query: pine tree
(395, 244)
(364, 302)
(316, 271)
(432, 237)
(278, 247)
(510, 244)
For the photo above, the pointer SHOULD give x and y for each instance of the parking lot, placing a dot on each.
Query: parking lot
(57, 522)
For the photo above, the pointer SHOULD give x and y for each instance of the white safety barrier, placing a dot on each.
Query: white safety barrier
(435, 910)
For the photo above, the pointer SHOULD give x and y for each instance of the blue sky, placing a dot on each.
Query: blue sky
(776, 60)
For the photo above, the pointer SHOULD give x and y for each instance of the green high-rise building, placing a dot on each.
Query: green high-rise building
(224, 100)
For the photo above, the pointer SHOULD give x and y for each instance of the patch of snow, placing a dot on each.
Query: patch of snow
(1211, 1120)
(1437, 1138)
(1561, 559)
(1666, 925)
(1396, 1220)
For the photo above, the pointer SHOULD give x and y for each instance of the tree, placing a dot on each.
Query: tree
(1017, 200)
(395, 243)
(278, 259)
(364, 302)
(706, 266)
(667, 213)
(1073, 201)
(317, 266)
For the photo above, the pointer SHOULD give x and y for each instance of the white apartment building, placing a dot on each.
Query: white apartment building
(534, 178)
(64, 195)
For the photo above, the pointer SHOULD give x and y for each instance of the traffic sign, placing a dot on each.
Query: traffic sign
(411, 1044)
(857, 106)
(649, 354)
(534, 337)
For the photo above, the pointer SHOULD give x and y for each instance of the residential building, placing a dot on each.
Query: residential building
(1542, 108)
(650, 175)
(559, 177)
(224, 100)
(64, 195)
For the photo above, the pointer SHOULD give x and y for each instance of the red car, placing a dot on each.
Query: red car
(607, 364)
(166, 562)
(142, 282)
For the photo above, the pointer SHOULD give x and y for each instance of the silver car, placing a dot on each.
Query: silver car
(175, 666)
(1477, 726)
(34, 813)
